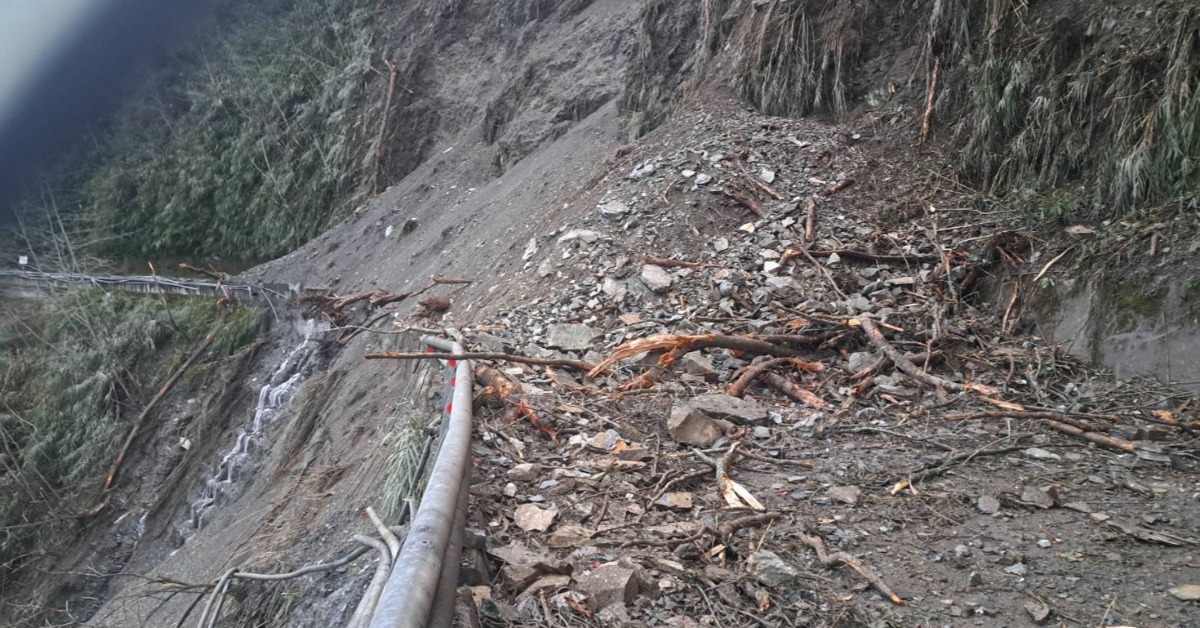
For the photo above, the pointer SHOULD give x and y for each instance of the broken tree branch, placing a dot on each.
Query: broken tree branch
(735, 495)
(753, 372)
(838, 187)
(1112, 442)
(875, 257)
(724, 532)
(578, 365)
(162, 392)
(508, 393)
(810, 221)
(962, 458)
(677, 343)
(802, 340)
(393, 74)
(387, 298)
(829, 560)
(908, 368)
(930, 99)
(762, 185)
(204, 272)
(734, 190)
(793, 390)
(667, 262)
(654, 374)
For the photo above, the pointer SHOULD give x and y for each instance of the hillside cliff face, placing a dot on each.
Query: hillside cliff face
(274, 119)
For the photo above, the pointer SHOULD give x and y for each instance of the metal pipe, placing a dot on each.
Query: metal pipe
(366, 606)
(408, 596)
(447, 592)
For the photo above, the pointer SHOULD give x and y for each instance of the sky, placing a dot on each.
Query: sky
(63, 67)
(31, 33)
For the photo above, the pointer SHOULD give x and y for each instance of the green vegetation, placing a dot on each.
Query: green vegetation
(401, 482)
(1051, 104)
(1086, 116)
(793, 67)
(252, 151)
(69, 375)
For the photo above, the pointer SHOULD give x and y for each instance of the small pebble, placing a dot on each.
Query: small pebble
(1045, 544)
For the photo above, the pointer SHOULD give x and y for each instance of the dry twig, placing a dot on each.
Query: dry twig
(578, 365)
(753, 372)
(908, 368)
(829, 560)
(162, 392)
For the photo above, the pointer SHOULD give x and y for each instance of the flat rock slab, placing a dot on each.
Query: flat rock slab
(656, 278)
(569, 337)
(1187, 592)
(771, 570)
(531, 517)
(692, 427)
(845, 494)
(728, 407)
(612, 583)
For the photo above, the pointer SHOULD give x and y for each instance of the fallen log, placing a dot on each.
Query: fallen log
(162, 392)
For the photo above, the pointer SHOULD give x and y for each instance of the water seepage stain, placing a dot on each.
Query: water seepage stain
(1135, 328)
(296, 366)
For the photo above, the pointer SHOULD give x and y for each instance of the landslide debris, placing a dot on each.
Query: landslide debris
(790, 417)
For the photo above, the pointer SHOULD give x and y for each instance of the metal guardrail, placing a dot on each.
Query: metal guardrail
(420, 591)
(144, 284)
